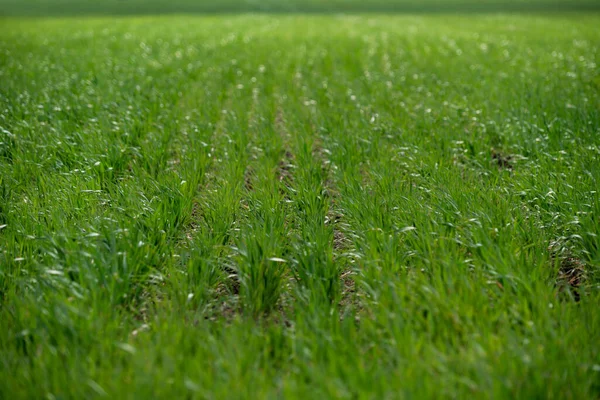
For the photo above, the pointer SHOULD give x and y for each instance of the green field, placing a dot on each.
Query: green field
(359, 206)
(90, 7)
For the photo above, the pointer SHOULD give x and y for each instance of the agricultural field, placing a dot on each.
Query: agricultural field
(145, 7)
(299, 205)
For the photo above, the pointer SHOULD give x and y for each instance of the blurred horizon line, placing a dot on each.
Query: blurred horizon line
(70, 8)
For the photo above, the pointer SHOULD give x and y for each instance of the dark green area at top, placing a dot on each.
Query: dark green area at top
(145, 7)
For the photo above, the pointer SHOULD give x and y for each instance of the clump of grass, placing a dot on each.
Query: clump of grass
(259, 264)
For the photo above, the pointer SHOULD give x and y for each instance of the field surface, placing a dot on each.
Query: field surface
(300, 206)
(111, 7)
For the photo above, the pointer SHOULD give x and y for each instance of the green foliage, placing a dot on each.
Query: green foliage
(135, 7)
(293, 206)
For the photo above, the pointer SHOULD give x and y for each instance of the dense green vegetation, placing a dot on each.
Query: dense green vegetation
(290, 206)
(77, 7)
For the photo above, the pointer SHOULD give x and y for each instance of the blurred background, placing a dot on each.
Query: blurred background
(116, 7)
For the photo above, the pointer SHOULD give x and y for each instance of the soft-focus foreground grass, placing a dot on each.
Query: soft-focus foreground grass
(300, 207)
